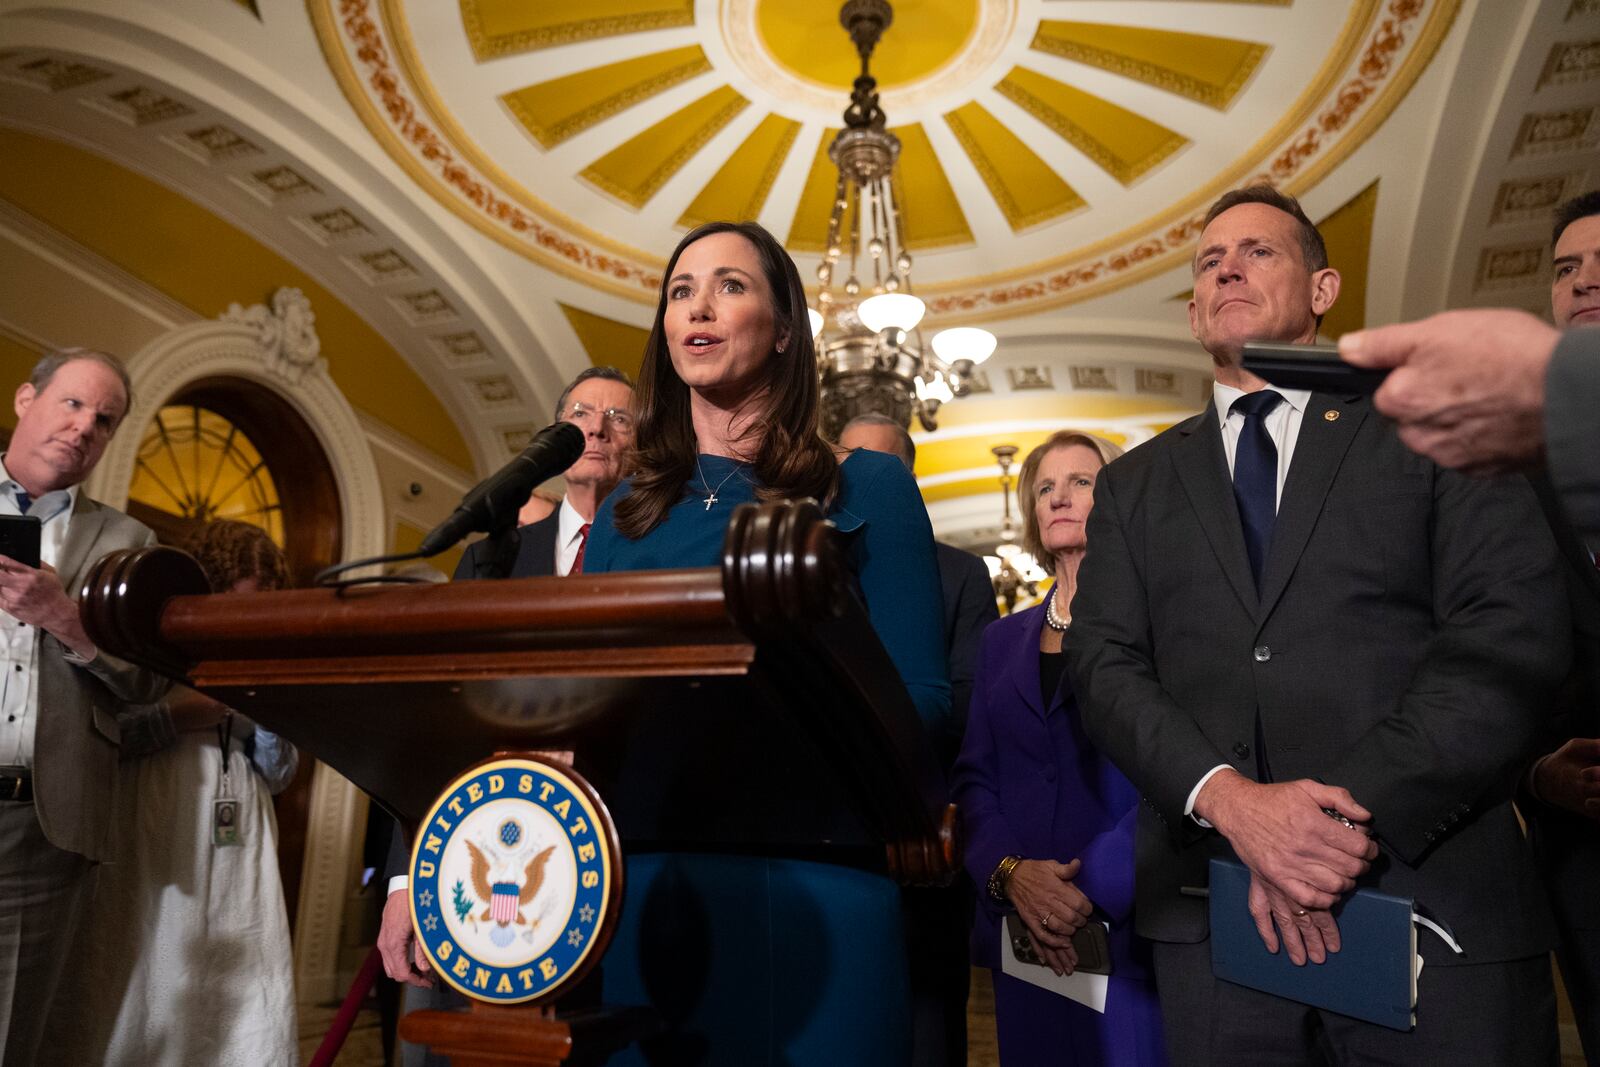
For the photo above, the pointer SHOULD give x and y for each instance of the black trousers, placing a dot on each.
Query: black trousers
(1484, 1015)
(938, 922)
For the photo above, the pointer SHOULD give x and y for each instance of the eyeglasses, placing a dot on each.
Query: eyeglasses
(616, 418)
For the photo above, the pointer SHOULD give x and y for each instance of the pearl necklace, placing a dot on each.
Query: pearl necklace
(705, 483)
(1057, 623)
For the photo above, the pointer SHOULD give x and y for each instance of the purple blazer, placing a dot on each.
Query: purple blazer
(1029, 783)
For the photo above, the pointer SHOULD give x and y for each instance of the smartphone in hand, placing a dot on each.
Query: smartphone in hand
(1090, 942)
(19, 538)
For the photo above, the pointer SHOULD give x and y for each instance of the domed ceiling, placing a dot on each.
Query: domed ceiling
(1052, 151)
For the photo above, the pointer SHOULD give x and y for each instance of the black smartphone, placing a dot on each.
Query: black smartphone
(1314, 367)
(19, 538)
(1091, 943)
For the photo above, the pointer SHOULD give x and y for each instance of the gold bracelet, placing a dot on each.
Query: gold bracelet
(1000, 876)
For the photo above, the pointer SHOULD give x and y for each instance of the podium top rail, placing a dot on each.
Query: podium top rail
(762, 678)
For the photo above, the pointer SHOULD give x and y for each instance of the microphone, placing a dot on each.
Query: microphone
(494, 502)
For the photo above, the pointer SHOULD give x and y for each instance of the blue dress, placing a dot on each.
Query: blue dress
(891, 551)
(758, 961)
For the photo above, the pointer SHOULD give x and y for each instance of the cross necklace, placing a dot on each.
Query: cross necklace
(705, 483)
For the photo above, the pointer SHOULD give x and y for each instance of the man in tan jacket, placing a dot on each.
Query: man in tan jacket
(60, 697)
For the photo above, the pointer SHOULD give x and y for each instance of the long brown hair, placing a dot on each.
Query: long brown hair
(792, 459)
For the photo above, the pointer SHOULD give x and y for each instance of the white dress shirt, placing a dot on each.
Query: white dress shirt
(1283, 426)
(569, 529)
(19, 642)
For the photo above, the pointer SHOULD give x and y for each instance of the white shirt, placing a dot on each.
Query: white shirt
(1283, 426)
(569, 528)
(569, 534)
(19, 642)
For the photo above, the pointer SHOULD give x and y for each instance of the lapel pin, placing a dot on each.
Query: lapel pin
(1331, 416)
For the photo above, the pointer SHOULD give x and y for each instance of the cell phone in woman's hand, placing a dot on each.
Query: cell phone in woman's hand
(1090, 942)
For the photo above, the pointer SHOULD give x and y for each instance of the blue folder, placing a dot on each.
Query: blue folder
(1371, 977)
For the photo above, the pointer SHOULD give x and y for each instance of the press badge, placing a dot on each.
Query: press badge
(225, 807)
(224, 821)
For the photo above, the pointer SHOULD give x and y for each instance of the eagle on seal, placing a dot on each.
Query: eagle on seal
(533, 878)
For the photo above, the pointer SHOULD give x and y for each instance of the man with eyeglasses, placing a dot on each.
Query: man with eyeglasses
(600, 401)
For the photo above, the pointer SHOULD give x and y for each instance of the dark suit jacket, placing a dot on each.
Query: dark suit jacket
(1409, 634)
(536, 558)
(968, 607)
(1567, 844)
(1572, 433)
(536, 552)
(76, 737)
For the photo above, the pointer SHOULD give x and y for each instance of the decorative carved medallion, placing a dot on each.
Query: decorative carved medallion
(287, 333)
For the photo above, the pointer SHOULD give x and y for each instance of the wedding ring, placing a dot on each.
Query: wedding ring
(1300, 913)
(1045, 922)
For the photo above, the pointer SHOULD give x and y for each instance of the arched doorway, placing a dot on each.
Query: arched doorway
(230, 448)
(226, 447)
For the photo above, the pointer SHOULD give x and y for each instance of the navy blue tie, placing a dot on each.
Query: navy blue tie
(24, 501)
(1255, 476)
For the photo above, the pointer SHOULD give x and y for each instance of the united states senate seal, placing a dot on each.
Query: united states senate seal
(515, 878)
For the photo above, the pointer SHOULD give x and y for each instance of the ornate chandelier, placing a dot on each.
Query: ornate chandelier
(869, 338)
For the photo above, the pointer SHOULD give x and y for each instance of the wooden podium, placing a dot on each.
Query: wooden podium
(699, 703)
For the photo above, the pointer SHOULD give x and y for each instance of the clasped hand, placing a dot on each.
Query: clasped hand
(1301, 861)
(1051, 907)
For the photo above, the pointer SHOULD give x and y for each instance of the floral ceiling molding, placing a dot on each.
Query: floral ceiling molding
(1383, 48)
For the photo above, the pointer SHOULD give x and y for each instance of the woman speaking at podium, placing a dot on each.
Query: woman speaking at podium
(727, 401)
(727, 406)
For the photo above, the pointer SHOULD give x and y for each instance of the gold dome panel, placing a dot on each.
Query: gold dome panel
(555, 110)
(1123, 143)
(634, 170)
(739, 188)
(505, 27)
(1210, 70)
(1024, 186)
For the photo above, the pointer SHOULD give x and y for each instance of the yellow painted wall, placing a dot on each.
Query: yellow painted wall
(16, 360)
(1348, 234)
(204, 263)
(607, 342)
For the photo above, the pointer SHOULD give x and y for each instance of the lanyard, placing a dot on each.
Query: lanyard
(224, 737)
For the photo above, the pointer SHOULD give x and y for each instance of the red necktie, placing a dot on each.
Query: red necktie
(583, 543)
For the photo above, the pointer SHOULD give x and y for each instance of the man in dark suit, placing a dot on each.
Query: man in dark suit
(1563, 786)
(600, 400)
(1284, 612)
(60, 697)
(937, 919)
